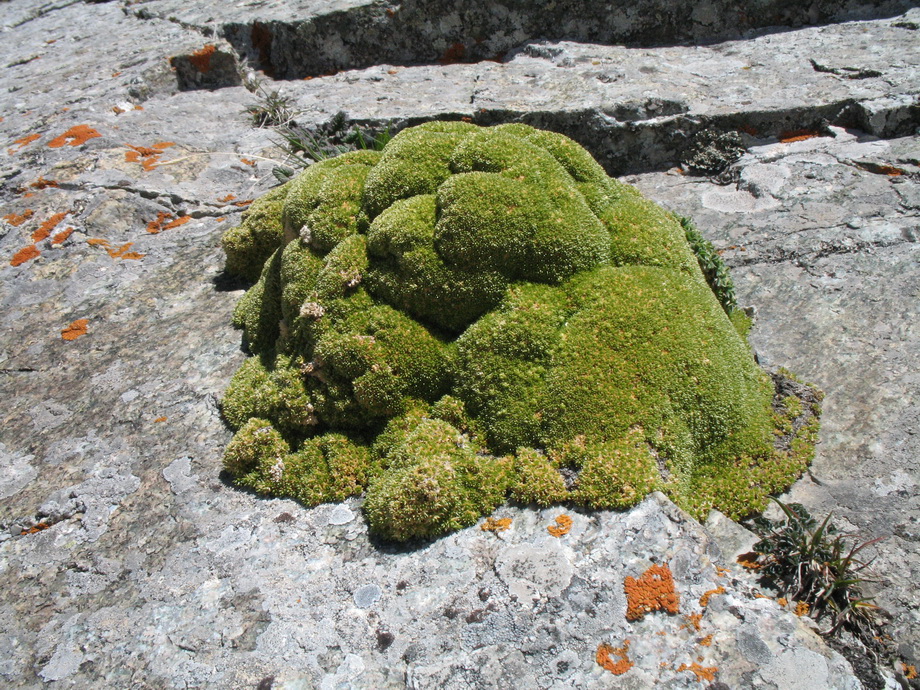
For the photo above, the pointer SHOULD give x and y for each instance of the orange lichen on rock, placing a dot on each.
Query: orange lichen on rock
(115, 252)
(75, 136)
(704, 600)
(75, 330)
(455, 53)
(42, 183)
(605, 658)
(201, 59)
(23, 142)
(44, 230)
(563, 526)
(707, 673)
(147, 156)
(802, 608)
(182, 220)
(166, 221)
(652, 591)
(40, 527)
(245, 202)
(782, 601)
(17, 220)
(749, 560)
(706, 641)
(693, 620)
(24, 254)
(159, 419)
(60, 237)
(721, 572)
(492, 524)
(229, 197)
(910, 671)
(798, 135)
(247, 161)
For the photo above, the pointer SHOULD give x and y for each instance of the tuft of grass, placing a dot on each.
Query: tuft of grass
(272, 109)
(811, 563)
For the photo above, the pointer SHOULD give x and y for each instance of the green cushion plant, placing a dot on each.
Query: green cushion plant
(473, 314)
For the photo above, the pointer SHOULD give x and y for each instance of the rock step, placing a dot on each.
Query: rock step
(291, 40)
(639, 109)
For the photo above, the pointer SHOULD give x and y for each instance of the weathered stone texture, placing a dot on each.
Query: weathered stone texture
(153, 572)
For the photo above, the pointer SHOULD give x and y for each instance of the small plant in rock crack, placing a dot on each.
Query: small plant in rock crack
(272, 109)
(712, 265)
(811, 563)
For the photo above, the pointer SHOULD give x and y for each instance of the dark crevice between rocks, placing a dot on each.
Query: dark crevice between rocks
(661, 143)
(441, 31)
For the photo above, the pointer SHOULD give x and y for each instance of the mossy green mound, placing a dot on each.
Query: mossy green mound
(474, 314)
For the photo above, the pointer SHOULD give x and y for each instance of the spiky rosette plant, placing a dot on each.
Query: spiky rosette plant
(473, 313)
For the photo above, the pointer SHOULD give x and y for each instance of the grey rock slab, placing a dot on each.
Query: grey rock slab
(831, 261)
(637, 108)
(308, 38)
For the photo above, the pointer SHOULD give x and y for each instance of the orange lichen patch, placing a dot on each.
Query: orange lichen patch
(454, 54)
(138, 107)
(75, 136)
(492, 524)
(123, 253)
(652, 591)
(749, 560)
(166, 221)
(797, 135)
(693, 620)
(44, 230)
(75, 330)
(706, 641)
(247, 161)
(782, 601)
(155, 226)
(182, 220)
(802, 608)
(42, 183)
(221, 219)
(40, 527)
(147, 156)
(28, 194)
(229, 197)
(703, 673)
(245, 202)
(910, 671)
(23, 142)
(24, 254)
(201, 59)
(116, 74)
(117, 110)
(60, 237)
(605, 658)
(563, 526)
(721, 572)
(704, 600)
(116, 252)
(17, 220)
(159, 419)
(880, 169)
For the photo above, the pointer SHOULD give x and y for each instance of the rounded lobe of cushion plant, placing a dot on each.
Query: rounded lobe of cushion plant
(477, 313)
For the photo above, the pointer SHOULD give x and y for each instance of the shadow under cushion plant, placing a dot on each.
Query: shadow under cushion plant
(472, 314)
